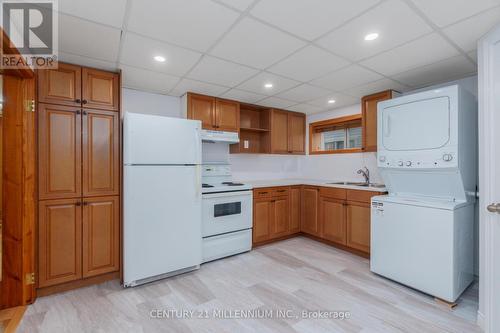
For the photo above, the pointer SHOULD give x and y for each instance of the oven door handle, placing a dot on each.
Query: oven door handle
(226, 194)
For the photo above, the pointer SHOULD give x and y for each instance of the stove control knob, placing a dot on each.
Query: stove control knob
(408, 163)
(381, 158)
(400, 163)
(447, 157)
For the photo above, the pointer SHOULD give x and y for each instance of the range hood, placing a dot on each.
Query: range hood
(219, 136)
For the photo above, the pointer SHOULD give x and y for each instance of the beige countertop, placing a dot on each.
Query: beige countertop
(311, 182)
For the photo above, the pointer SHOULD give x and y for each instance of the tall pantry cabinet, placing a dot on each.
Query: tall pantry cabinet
(79, 176)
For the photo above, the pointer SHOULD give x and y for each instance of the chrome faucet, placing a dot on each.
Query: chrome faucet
(366, 173)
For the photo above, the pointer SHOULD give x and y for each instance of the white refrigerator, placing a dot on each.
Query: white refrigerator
(162, 197)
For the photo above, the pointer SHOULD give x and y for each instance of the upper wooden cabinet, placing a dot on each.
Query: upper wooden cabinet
(77, 86)
(214, 113)
(100, 90)
(309, 211)
(287, 132)
(369, 115)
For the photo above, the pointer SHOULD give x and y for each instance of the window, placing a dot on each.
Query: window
(341, 135)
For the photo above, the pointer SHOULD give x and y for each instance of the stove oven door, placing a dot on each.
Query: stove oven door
(226, 212)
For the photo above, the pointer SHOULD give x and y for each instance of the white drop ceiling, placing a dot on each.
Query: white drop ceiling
(311, 51)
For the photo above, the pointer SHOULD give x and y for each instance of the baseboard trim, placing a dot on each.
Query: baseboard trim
(481, 320)
(45, 291)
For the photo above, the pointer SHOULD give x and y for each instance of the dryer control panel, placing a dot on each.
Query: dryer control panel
(435, 160)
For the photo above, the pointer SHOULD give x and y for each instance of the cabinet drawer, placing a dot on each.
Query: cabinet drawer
(267, 192)
(332, 192)
(361, 196)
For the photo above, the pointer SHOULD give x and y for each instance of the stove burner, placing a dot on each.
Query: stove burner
(232, 184)
(206, 185)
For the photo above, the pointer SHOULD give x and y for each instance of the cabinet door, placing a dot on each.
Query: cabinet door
(262, 215)
(309, 210)
(296, 133)
(59, 160)
(295, 210)
(101, 235)
(333, 220)
(227, 115)
(59, 241)
(101, 149)
(280, 221)
(369, 112)
(60, 86)
(358, 226)
(100, 89)
(279, 132)
(202, 108)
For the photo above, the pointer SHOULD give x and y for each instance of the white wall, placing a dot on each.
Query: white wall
(143, 102)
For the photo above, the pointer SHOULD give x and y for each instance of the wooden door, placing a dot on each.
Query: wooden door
(101, 150)
(309, 210)
(333, 220)
(101, 235)
(358, 226)
(369, 114)
(295, 209)
(227, 115)
(296, 133)
(279, 132)
(262, 216)
(202, 108)
(59, 241)
(280, 221)
(59, 142)
(61, 86)
(100, 89)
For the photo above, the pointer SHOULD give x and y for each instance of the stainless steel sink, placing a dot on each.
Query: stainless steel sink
(362, 184)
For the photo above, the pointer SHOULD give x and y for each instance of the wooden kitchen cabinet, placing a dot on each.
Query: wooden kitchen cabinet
(280, 217)
(262, 215)
(295, 206)
(214, 113)
(101, 151)
(333, 220)
(309, 211)
(287, 132)
(60, 86)
(100, 89)
(296, 132)
(59, 241)
(358, 226)
(59, 150)
(369, 118)
(100, 236)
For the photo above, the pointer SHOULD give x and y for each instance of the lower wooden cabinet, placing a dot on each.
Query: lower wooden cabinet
(358, 226)
(309, 209)
(262, 214)
(280, 217)
(332, 220)
(295, 207)
(77, 238)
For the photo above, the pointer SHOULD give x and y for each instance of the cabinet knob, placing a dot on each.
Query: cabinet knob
(84, 101)
(84, 113)
(78, 100)
(77, 112)
(78, 204)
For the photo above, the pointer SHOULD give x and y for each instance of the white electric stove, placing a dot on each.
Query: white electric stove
(226, 213)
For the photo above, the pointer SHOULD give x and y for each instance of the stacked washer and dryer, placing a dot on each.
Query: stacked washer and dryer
(423, 231)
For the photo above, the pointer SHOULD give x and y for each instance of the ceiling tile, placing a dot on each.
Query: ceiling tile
(306, 108)
(145, 80)
(307, 64)
(375, 87)
(187, 85)
(340, 101)
(195, 24)
(243, 96)
(466, 33)
(237, 4)
(77, 36)
(256, 84)
(304, 92)
(309, 19)
(110, 12)
(423, 51)
(393, 20)
(222, 72)
(439, 72)
(275, 102)
(347, 78)
(255, 44)
(88, 62)
(444, 12)
(139, 51)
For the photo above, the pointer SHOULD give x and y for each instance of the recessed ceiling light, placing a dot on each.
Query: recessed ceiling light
(331, 101)
(371, 36)
(268, 85)
(160, 58)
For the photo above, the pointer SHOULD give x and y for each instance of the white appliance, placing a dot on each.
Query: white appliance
(219, 136)
(422, 232)
(227, 214)
(162, 197)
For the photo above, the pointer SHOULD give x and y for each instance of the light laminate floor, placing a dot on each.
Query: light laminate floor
(295, 275)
